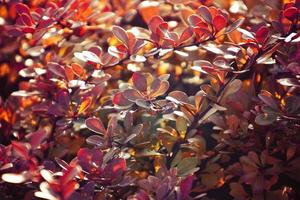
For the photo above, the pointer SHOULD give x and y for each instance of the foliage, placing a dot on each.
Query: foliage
(149, 100)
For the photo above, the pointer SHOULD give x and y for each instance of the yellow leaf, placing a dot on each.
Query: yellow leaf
(85, 104)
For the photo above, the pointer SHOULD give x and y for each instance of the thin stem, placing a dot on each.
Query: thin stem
(195, 123)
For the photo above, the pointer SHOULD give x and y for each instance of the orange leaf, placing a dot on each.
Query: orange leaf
(85, 104)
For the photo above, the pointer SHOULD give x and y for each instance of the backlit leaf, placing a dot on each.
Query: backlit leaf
(95, 125)
(85, 104)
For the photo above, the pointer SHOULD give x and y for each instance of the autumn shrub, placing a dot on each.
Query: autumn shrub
(141, 100)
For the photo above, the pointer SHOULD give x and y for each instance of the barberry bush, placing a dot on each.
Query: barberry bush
(142, 100)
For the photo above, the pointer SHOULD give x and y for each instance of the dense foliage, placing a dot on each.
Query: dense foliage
(130, 99)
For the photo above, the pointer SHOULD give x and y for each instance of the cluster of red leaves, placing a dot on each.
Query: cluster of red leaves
(145, 100)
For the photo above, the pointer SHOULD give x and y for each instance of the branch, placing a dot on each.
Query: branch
(195, 123)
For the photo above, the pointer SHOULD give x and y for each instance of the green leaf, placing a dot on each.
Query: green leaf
(187, 166)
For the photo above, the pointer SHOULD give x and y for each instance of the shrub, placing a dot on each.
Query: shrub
(150, 99)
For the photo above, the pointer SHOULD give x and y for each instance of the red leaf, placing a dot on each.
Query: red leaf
(96, 125)
(290, 13)
(118, 164)
(90, 156)
(28, 30)
(120, 100)
(194, 20)
(154, 23)
(69, 189)
(69, 174)
(219, 22)
(26, 19)
(22, 8)
(115, 168)
(186, 35)
(37, 137)
(262, 34)
(45, 23)
(185, 187)
(139, 81)
(21, 149)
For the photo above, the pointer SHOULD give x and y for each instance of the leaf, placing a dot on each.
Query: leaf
(69, 174)
(266, 97)
(63, 164)
(187, 166)
(78, 69)
(237, 191)
(69, 73)
(290, 82)
(45, 23)
(163, 88)
(21, 149)
(120, 100)
(291, 151)
(35, 51)
(147, 153)
(121, 34)
(186, 35)
(148, 9)
(76, 84)
(36, 138)
(47, 175)
(139, 81)
(56, 69)
(210, 180)
(132, 95)
(95, 125)
(246, 34)
(179, 96)
(213, 110)
(181, 125)
(63, 98)
(265, 119)
(181, 53)
(15, 178)
(137, 58)
(204, 12)
(154, 23)
(14, 31)
(219, 22)
(96, 140)
(290, 13)
(26, 19)
(194, 20)
(85, 104)
(236, 24)
(262, 34)
(22, 8)
(86, 56)
(143, 103)
(233, 87)
(185, 187)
